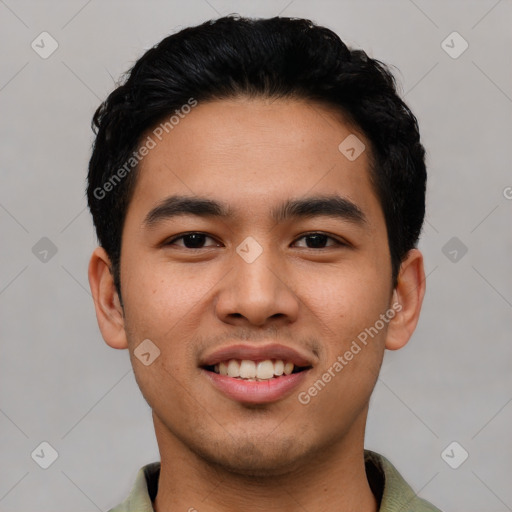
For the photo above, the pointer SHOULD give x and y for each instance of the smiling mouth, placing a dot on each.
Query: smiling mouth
(249, 370)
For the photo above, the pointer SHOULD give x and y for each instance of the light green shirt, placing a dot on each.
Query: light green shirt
(390, 489)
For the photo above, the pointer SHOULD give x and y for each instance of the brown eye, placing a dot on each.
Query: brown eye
(319, 240)
(191, 240)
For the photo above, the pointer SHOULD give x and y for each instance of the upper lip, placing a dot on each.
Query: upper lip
(257, 353)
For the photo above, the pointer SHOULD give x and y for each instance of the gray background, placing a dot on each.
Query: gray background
(60, 383)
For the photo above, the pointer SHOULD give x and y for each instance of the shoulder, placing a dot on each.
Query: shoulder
(143, 490)
(396, 494)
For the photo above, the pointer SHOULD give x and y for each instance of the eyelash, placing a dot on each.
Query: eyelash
(338, 243)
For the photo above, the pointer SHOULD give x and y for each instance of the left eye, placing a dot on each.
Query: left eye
(196, 240)
(319, 239)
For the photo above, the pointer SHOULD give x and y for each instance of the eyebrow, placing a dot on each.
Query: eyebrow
(336, 207)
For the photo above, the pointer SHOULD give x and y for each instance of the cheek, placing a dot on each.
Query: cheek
(345, 299)
(346, 305)
(345, 312)
(160, 296)
(162, 304)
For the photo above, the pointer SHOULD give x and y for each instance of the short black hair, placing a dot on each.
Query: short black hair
(276, 57)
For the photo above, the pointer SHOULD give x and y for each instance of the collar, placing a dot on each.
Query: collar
(390, 489)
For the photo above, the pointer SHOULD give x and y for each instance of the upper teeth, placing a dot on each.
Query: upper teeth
(247, 369)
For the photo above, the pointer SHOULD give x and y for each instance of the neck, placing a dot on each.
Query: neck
(334, 479)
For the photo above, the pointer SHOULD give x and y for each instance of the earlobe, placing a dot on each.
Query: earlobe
(109, 312)
(407, 300)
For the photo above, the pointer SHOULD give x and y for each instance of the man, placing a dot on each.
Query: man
(258, 191)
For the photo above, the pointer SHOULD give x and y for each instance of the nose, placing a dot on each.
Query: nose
(257, 293)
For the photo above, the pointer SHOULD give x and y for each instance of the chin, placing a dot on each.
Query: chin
(258, 460)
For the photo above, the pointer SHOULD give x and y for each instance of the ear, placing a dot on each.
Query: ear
(407, 300)
(109, 312)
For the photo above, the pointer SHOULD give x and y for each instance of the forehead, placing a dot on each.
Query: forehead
(249, 152)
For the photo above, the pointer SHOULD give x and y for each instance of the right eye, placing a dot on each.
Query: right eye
(193, 240)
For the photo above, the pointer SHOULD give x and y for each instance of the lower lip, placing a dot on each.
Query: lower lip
(256, 392)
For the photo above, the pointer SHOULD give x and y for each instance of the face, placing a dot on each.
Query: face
(264, 283)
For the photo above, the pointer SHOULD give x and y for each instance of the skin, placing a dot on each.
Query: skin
(218, 454)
